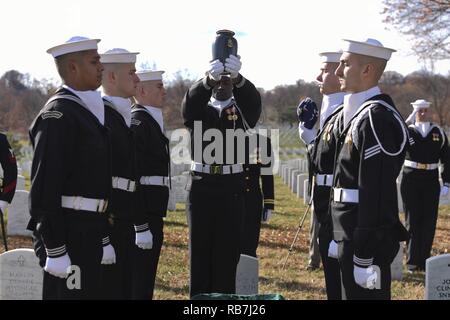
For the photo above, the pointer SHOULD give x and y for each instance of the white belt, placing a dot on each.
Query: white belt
(217, 168)
(154, 181)
(345, 195)
(85, 204)
(422, 166)
(123, 184)
(324, 180)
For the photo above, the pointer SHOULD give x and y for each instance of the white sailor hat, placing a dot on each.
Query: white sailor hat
(74, 44)
(420, 104)
(118, 55)
(370, 47)
(149, 75)
(331, 56)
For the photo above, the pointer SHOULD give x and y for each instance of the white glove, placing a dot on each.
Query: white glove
(267, 213)
(233, 65)
(58, 267)
(216, 68)
(109, 255)
(3, 205)
(333, 250)
(412, 117)
(365, 277)
(444, 191)
(144, 240)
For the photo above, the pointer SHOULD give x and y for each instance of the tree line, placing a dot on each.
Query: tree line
(21, 98)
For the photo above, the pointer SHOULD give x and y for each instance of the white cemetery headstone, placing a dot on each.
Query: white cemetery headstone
(20, 275)
(179, 188)
(397, 265)
(172, 203)
(301, 184)
(294, 175)
(285, 174)
(18, 215)
(437, 278)
(247, 275)
(20, 183)
(306, 195)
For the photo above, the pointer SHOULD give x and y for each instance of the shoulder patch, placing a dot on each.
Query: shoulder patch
(135, 122)
(51, 114)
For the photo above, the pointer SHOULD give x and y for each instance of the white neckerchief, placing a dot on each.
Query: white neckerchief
(122, 106)
(157, 115)
(329, 104)
(93, 101)
(423, 128)
(353, 101)
(220, 105)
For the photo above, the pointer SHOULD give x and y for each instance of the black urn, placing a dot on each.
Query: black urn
(224, 45)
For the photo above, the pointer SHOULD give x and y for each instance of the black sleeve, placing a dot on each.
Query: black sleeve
(444, 157)
(9, 165)
(195, 102)
(141, 136)
(53, 139)
(248, 100)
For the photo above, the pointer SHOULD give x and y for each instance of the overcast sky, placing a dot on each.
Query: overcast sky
(278, 40)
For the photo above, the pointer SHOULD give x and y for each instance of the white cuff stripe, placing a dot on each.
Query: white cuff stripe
(362, 262)
(56, 251)
(241, 84)
(205, 83)
(142, 227)
(105, 240)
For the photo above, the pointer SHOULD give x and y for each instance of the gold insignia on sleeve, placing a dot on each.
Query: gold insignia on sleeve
(348, 138)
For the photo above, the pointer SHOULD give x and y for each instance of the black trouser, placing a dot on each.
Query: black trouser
(252, 222)
(145, 262)
(215, 213)
(330, 265)
(421, 205)
(116, 278)
(386, 252)
(84, 233)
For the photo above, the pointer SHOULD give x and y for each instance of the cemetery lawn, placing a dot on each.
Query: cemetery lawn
(295, 282)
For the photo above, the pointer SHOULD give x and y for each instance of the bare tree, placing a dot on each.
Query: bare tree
(427, 22)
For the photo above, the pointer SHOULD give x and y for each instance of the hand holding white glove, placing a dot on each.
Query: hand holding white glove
(333, 250)
(267, 213)
(58, 267)
(366, 277)
(444, 191)
(233, 65)
(144, 240)
(109, 255)
(216, 68)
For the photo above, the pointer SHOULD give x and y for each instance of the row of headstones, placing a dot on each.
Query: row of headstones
(21, 277)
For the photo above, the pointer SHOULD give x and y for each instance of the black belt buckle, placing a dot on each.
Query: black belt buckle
(215, 169)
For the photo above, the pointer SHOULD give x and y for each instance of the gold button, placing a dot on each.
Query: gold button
(247, 178)
(248, 190)
(247, 169)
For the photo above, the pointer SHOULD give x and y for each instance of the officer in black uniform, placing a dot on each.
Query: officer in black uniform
(371, 141)
(420, 187)
(9, 181)
(259, 193)
(321, 155)
(153, 165)
(216, 197)
(119, 85)
(71, 177)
